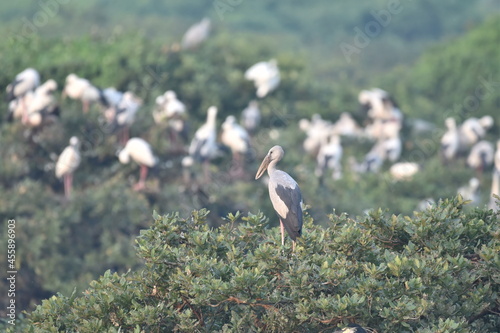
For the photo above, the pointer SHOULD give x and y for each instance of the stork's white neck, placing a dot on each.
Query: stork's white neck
(271, 168)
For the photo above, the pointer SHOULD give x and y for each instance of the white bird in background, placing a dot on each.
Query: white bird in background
(471, 191)
(380, 105)
(237, 139)
(43, 99)
(67, 163)
(24, 82)
(250, 117)
(473, 129)
(196, 34)
(481, 156)
(404, 170)
(317, 131)
(82, 89)
(329, 157)
(140, 151)
(450, 141)
(204, 147)
(19, 92)
(167, 107)
(41, 106)
(265, 75)
(122, 116)
(172, 111)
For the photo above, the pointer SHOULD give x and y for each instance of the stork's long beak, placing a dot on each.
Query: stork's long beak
(263, 167)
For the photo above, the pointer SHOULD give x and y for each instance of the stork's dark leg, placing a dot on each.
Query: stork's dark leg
(282, 228)
(142, 180)
(123, 135)
(65, 178)
(174, 140)
(68, 180)
(206, 171)
(85, 106)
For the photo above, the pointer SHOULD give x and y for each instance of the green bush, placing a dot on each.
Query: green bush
(436, 272)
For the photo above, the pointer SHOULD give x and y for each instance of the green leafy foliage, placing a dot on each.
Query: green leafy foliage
(436, 272)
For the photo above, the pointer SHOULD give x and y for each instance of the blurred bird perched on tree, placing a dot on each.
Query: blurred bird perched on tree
(170, 110)
(237, 139)
(204, 146)
(481, 156)
(140, 151)
(67, 163)
(250, 117)
(81, 89)
(196, 34)
(265, 75)
(122, 115)
(473, 130)
(20, 92)
(24, 82)
(329, 157)
(41, 105)
(450, 141)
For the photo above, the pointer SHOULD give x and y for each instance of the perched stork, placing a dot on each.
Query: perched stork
(67, 163)
(140, 151)
(450, 141)
(122, 116)
(172, 111)
(265, 75)
(237, 139)
(204, 147)
(317, 131)
(473, 130)
(250, 117)
(42, 103)
(329, 156)
(285, 195)
(24, 82)
(379, 105)
(196, 34)
(372, 102)
(481, 156)
(82, 89)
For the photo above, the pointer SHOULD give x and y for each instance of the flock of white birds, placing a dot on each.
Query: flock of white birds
(35, 105)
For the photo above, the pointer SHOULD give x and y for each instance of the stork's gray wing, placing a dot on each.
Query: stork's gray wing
(291, 217)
